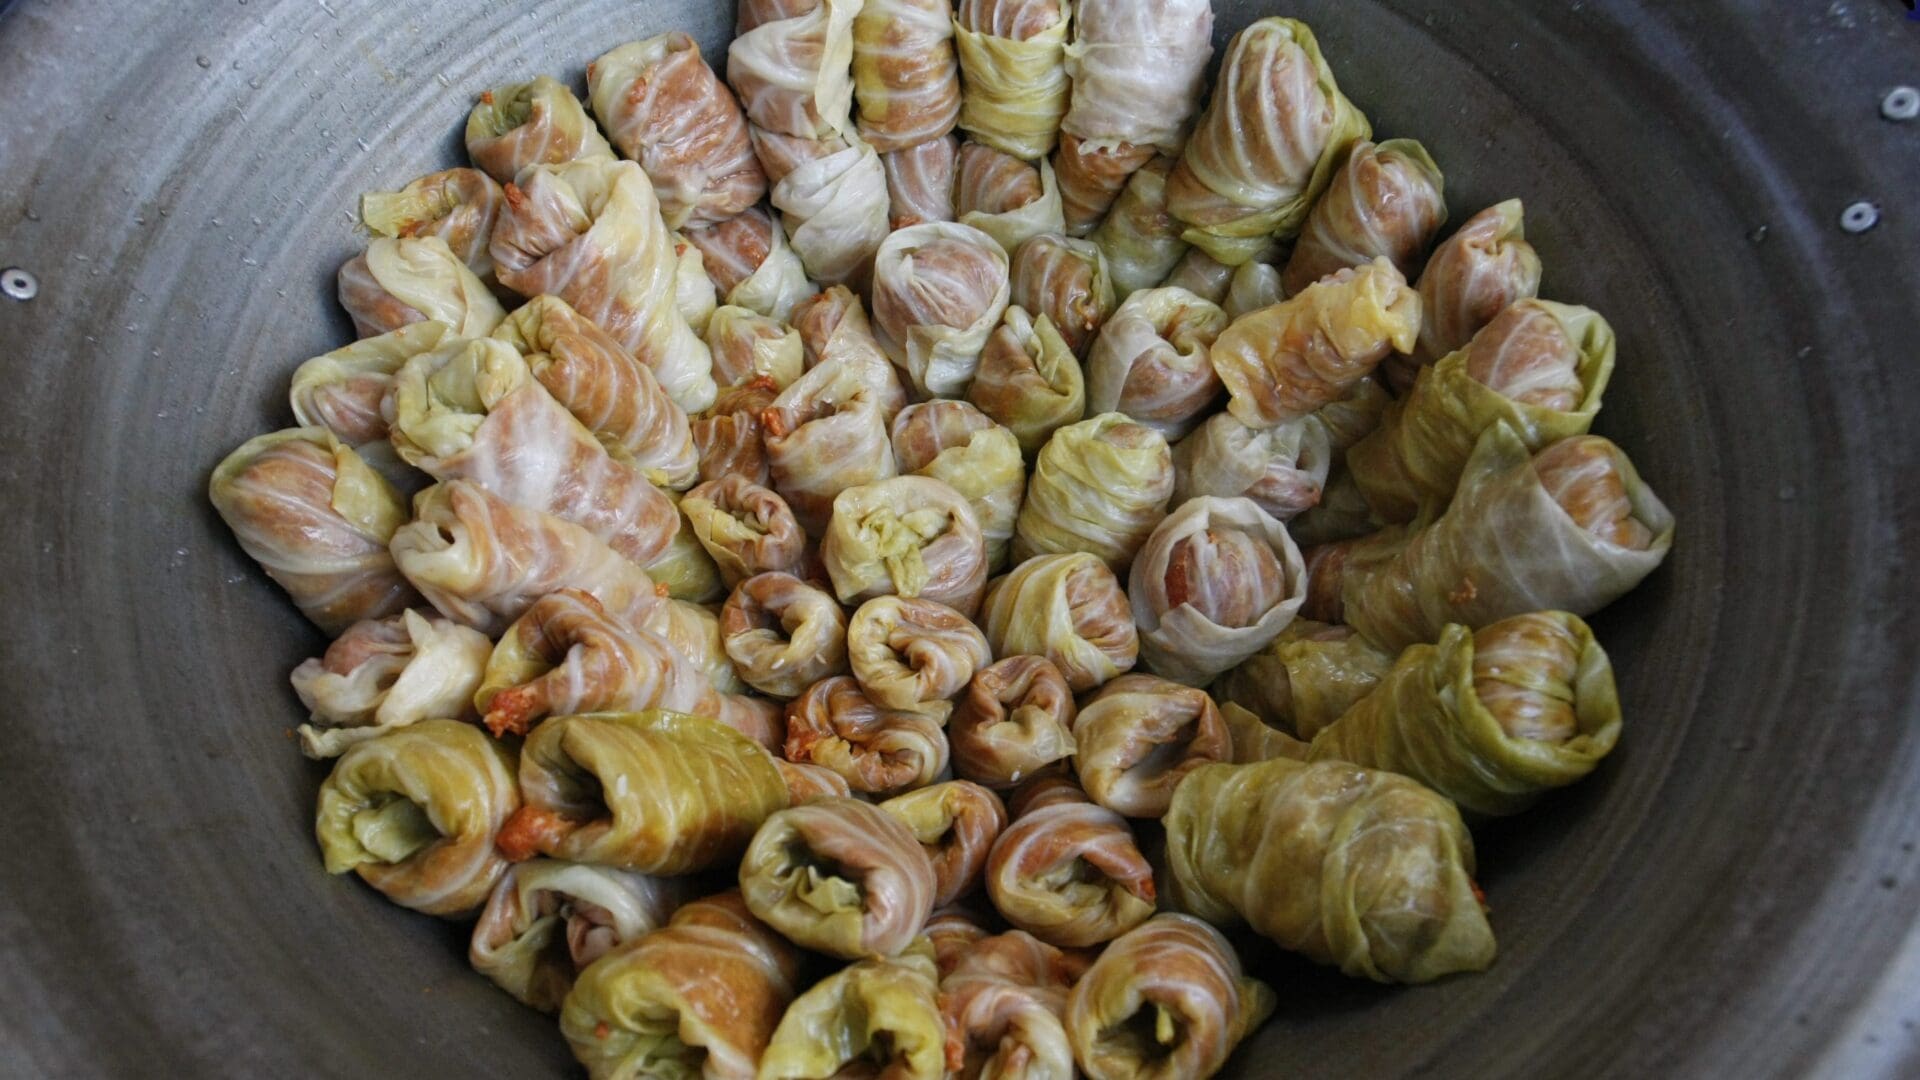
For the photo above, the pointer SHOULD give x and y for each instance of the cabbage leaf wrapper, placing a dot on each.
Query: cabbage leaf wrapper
(1153, 361)
(1068, 609)
(914, 655)
(384, 674)
(1475, 274)
(1014, 723)
(748, 346)
(684, 569)
(939, 290)
(807, 782)
(1362, 870)
(1099, 486)
(957, 444)
(318, 520)
(1255, 285)
(656, 792)
(834, 330)
(342, 390)
(920, 181)
(839, 876)
(751, 263)
(956, 823)
(882, 752)
(1029, 380)
(548, 920)
(398, 282)
(1306, 679)
(699, 996)
(1011, 200)
(730, 438)
(791, 65)
(1139, 736)
(1283, 470)
(1140, 237)
(879, 1017)
(1067, 871)
(910, 536)
(906, 78)
(833, 194)
(1387, 200)
(746, 528)
(459, 206)
(1169, 1000)
(1013, 57)
(1067, 281)
(783, 634)
(667, 110)
(824, 434)
(1092, 174)
(1003, 1000)
(415, 813)
(1268, 144)
(1204, 276)
(539, 122)
(951, 931)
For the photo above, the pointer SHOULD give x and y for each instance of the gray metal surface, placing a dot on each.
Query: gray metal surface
(1734, 894)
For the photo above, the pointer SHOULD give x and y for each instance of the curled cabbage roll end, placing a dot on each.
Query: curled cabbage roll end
(1011, 200)
(1387, 200)
(1067, 281)
(956, 824)
(1139, 736)
(1067, 871)
(878, 1017)
(1307, 678)
(1014, 724)
(1029, 380)
(839, 876)
(745, 528)
(939, 291)
(398, 282)
(730, 438)
(1069, 610)
(384, 674)
(910, 536)
(824, 434)
(751, 264)
(1474, 275)
(456, 205)
(548, 920)
(1153, 362)
(342, 390)
(783, 634)
(1013, 56)
(1140, 237)
(532, 123)
(1283, 470)
(914, 655)
(1098, 486)
(884, 752)
(1003, 998)
(957, 444)
(748, 346)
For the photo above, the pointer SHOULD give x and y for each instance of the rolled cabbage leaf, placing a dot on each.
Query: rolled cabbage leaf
(920, 182)
(906, 536)
(398, 282)
(1478, 272)
(807, 782)
(548, 920)
(883, 752)
(960, 446)
(783, 634)
(693, 291)
(1003, 1000)
(1067, 871)
(939, 291)
(956, 824)
(914, 655)
(841, 877)
(752, 265)
(824, 434)
(1141, 239)
(1215, 583)
(747, 345)
(532, 123)
(1152, 361)
(1202, 275)
(1029, 380)
(1092, 174)
(746, 528)
(906, 78)
(1282, 469)
(879, 1017)
(1099, 486)
(730, 438)
(384, 674)
(1014, 724)
(459, 206)
(1013, 57)
(1308, 678)
(791, 65)
(835, 205)
(834, 331)
(1068, 609)
(1255, 285)
(1139, 736)
(342, 390)
(1387, 200)
(1011, 200)
(1066, 281)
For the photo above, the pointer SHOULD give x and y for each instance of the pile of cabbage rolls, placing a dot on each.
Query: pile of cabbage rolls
(870, 564)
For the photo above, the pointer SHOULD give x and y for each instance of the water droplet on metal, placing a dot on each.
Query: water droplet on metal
(203, 61)
(1759, 234)
(1860, 217)
(1902, 103)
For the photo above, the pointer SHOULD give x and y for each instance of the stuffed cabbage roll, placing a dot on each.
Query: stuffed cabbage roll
(1009, 199)
(1308, 678)
(1014, 723)
(1540, 367)
(938, 293)
(1268, 144)
(807, 782)
(920, 182)
(1215, 583)
(1068, 609)
(1065, 280)
(1255, 741)
(906, 536)
(1002, 1002)
(960, 446)
(914, 655)
(730, 438)
(835, 203)
(834, 331)
(472, 410)
(790, 64)
(839, 876)
(548, 920)
(1139, 736)
(878, 751)
(1479, 271)
(956, 824)
(783, 634)
(1169, 1000)
(397, 282)
(603, 386)
(342, 390)
(1363, 870)
(951, 932)
(685, 568)
(1140, 237)
(667, 110)
(1573, 528)
(318, 520)
(747, 345)
(693, 291)
(699, 996)
(415, 813)
(531, 123)
(1202, 275)
(1092, 174)
(1282, 469)
(1284, 362)
(695, 631)
(656, 792)
(1013, 56)
(384, 674)
(456, 205)
(1067, 871)
(905, 76)
(1387, 200)
(875, 1018)
(1255, 285)
(751, 263)
(747, 529)
(591, 234)
(1152, 361)
(1029, 380)
(1098, 486)
(824, 434)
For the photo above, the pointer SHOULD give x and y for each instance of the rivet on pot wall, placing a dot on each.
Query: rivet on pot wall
(1901, 103)
(1860, 217)
(18, 284)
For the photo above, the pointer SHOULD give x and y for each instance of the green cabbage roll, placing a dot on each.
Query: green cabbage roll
(1153, 362)
(1029, 380)
(909, 536)
(531, 123)
(1478, 272)
(1011, 200)
(957, 444)
(459, 206)
(784, 635)
(839, 876)
(1136, 738)
(1067, 871)
(397, 282)
(914, 655)
(1308, 678)
(906, 78)
(548, 920)
(878, 1017)
(685, 569)
(1013, 57)
(1140, 237)
(747, 346)
(752, 265)
(384, 674)
(342, 390)
(883, 752)
(1098, 486)
(1068, 609)
(1386, 200)
(956, 824)
(1283, 470)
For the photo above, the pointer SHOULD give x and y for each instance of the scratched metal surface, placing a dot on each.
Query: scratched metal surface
(1733, 894)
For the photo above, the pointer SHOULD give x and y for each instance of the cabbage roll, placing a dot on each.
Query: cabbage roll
(384, 674)
(839, 876)
(1255, 285)
(1002, 1002)
(548, 920)
(914, 655)
(531, 123)
(747, 529)
(1282, 469)
(590, 233)
(667, 110)
(905, 76)
(1539, 367)
(656, 792)
(693, 291)
(906, 536)
(1092, 175)
(1065, 280)
(1029, 380)
(835, 203)
(415, 813)
(747, 345)
(1255, 741)
(472, 410)
(482, 561)
(1202, 275)
(751, 264)
(318, 520)
(1014, 723)
(807, 782)
(1387, 200)
(1215, 583)
(1152, 361)
(1006, 198)
(685, 569)
(1284, 362)
(397, 282)
(729, 436)
(884, 752)
(1363, 870)
(342, 390)
(834, 330)
(875, 1018)
(1139, 736)
(459, 206)
(956, 824)
(1068, 609)
(957, 444)
(783, 634)
(951, 932)
(1013, 55)
(1268, 144)
(920, 182)
(1572, 528)
(790, 63)
(824, 434)
(1480, 271)
(1308, 678)
(604, 387)
(1066, 871)
(1098, 486)
(1169, 1001)
(1140, 237)
(938, 293)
